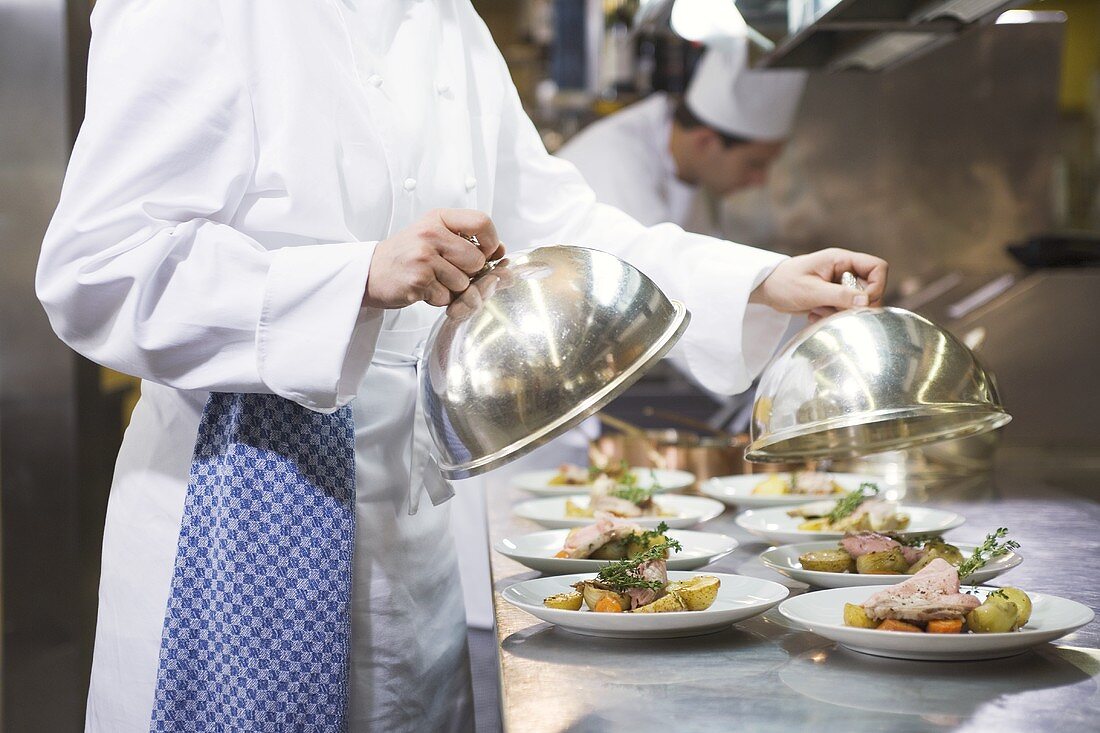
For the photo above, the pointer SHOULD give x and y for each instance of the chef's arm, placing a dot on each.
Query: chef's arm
(142, 268)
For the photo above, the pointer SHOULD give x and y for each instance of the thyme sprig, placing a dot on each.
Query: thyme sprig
(623, 574)
(848, 503)
(992, 547)
(633, 493)
(626, 487)
(645, 536)
(915, 540)
(623, 472)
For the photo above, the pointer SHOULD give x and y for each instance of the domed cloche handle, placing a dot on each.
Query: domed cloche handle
(849, 280)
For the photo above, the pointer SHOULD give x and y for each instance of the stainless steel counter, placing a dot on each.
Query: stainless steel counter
(762, 675)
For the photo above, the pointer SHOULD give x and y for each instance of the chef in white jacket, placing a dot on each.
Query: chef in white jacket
(655, 158)
(266, 197)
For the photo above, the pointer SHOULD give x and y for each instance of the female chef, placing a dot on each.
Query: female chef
(266, 199)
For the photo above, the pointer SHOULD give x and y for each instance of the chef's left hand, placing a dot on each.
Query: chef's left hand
(810, 284)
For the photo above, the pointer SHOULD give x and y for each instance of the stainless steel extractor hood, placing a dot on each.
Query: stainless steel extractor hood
(836, 35)
(875, 35)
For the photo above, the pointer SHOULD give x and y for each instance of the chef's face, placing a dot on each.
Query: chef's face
(723, 170)
(704, 158)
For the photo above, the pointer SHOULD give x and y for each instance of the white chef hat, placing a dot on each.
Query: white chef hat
(756, 104)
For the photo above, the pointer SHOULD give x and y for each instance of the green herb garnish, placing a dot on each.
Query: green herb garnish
(623, 472)
(646, 536)
(915, 540)
(633, 493)
(623, 574)
(851, 501)
(991, 548)
(627, 488)
(999, 594)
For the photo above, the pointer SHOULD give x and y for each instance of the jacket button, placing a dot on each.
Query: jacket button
(442, 88)
(374, 80)
(471, 183)
(410, 184)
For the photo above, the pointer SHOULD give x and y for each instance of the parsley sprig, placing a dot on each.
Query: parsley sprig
(992, 547)
(851, 501)
(623, 574)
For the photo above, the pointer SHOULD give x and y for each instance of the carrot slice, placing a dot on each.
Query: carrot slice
(562, 553)
(891, 624)
(945, 626)
(608, 605)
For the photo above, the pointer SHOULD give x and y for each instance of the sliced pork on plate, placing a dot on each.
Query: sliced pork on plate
(933, 593)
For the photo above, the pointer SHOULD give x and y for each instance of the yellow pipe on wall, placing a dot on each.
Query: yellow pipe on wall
(1080, 52)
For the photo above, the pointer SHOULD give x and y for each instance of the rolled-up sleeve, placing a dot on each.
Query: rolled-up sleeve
(142, 269)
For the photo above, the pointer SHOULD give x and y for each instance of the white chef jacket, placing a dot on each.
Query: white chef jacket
(626, 160)
(237, 164)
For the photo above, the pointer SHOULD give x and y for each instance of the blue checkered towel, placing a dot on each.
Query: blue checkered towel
(256, 630)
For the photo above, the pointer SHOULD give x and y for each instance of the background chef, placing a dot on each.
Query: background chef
(673, 159)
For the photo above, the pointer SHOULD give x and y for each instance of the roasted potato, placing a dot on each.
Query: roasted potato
(635, 546)
(855, 616)
(887, 562)
(828, 561)
(698, 593)
(564, 601)
(815, 525)
(934, 549)
(572, 509)
(995, 616)
(664, 604)
(1023, 604)
(950, 553)
(773, 485)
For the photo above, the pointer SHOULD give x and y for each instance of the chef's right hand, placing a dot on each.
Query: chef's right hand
(431, 259)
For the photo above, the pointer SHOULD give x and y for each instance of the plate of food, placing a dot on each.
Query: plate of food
(589, 548)
(929, 617)
(761, 490)
(870, 558)
(857, 511)
(678, 511)
(639, 598)
(569, 479)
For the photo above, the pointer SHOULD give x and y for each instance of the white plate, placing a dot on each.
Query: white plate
(538, 482)
(784, 560)
(737, 490)
(775, 526)
(739, 598)
(536, 551)
(822, 612)
(687, 511)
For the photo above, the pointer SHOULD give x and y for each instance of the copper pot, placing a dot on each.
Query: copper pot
(705, 456)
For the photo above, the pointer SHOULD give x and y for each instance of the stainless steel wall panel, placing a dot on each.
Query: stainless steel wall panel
(936, 164)
(47, 615)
